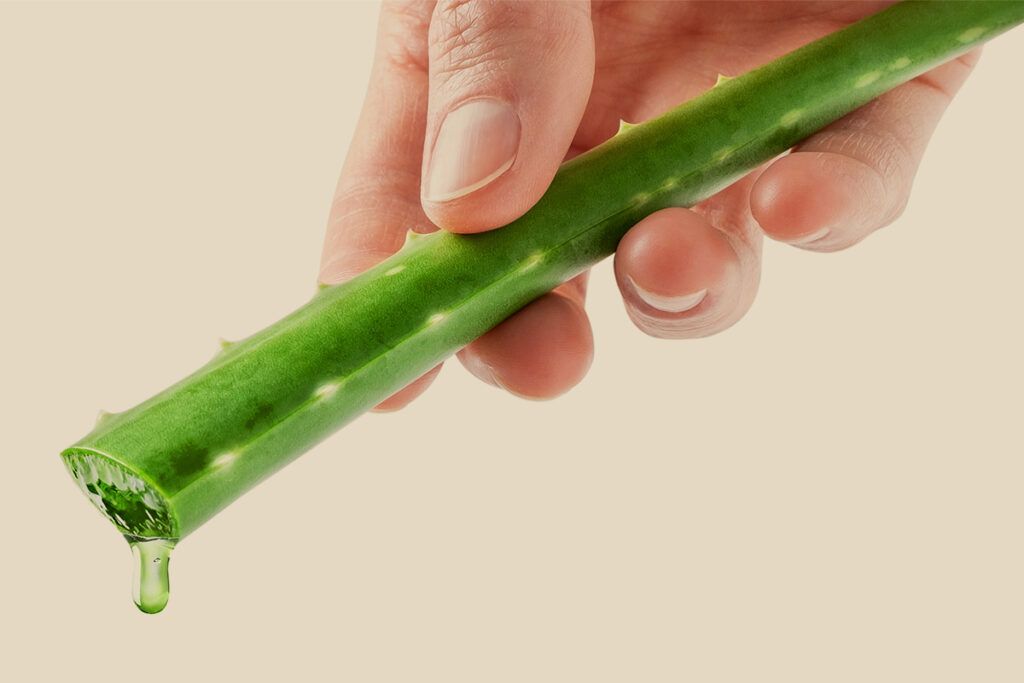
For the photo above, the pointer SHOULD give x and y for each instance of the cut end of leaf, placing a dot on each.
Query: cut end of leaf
(131, 504)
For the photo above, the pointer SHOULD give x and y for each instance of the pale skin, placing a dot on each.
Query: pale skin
(473, 104)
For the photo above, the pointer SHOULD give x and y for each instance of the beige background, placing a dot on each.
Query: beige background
(831, 491)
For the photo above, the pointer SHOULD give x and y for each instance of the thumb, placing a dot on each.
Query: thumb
(509, 82)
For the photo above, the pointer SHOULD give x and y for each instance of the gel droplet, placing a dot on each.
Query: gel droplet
(150, 582)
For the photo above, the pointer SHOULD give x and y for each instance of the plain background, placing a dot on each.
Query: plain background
(830, 491)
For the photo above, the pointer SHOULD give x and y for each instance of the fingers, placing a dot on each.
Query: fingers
(540, 352)
(509, 82)
(377, 198)
(690, 274)
(855, 176)
(685, 274)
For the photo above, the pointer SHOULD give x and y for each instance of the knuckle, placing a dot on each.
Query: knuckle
(467, 35)
(891, 156)
(404, 27)
(373, 212)
(945, 80)
(881, 148)
(357, 192)
(476, 38)
(729, 212)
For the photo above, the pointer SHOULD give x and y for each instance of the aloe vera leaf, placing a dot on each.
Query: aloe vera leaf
(163, 468)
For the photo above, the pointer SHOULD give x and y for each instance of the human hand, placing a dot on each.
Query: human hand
(473, 105)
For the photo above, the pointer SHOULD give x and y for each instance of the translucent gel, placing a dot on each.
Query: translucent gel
(150, 583)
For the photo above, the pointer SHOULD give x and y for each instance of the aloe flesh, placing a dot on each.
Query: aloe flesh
(162, 469)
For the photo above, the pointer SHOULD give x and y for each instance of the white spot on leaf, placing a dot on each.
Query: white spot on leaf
(971, 34)
(436, 318)
(394, 271)
(791, 117)
(224, 459)
(901, 63)
(532, 261)
(328, 390)
(867, 79)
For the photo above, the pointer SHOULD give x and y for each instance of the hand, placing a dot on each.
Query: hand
(473, 104)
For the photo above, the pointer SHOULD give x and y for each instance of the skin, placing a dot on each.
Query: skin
(570, 71)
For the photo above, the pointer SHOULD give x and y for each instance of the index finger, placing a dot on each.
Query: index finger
(377, 198)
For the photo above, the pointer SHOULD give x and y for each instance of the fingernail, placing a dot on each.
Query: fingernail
(809, 237)
(669, 304)
(477, 142)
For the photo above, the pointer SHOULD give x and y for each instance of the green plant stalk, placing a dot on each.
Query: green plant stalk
(163, 468)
